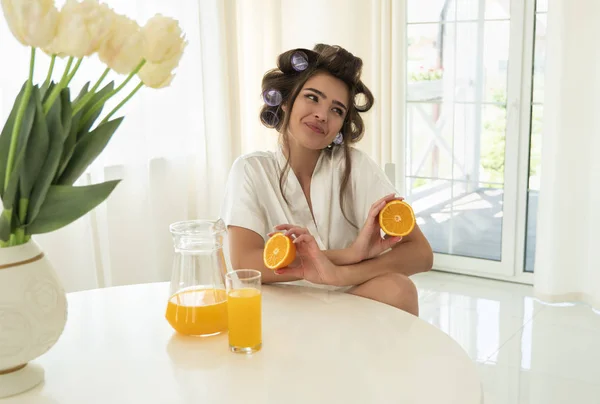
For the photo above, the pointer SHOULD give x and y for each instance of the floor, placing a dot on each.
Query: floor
(470, 223)
(527, 352)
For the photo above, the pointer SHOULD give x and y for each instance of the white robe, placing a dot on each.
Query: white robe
(253, 199)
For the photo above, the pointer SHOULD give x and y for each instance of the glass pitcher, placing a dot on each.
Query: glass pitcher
(198, 300)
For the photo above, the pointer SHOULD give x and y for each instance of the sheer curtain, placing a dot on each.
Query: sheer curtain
(174, 150)
(163, 152)
(567, 250)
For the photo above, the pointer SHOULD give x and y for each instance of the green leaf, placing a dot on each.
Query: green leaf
(84, 127)
(66, 112)
(82, 93)
(37, 148)
(5, 226)
(46, 90)
(64, 204)
(8, 199)
(48, 171)
(5, 138)
(69, 147)
(87, 149)
(69, 123)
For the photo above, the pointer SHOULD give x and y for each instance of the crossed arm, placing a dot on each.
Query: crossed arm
(409, 256)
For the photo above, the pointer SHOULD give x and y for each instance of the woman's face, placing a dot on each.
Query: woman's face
(318, 112)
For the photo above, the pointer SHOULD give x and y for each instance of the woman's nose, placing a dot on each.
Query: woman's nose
(321, 115)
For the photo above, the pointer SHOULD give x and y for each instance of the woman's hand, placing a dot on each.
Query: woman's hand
(369, 242)
(337, 257)
(311, 263)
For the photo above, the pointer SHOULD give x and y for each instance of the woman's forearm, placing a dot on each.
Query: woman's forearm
(253, 259)
(407, 258)
(346, 256)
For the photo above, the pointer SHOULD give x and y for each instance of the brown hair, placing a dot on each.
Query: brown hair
(288, 79)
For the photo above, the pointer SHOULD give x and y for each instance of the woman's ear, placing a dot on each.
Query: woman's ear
(284, 107)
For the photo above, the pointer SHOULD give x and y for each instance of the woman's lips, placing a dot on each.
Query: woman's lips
(315, 128)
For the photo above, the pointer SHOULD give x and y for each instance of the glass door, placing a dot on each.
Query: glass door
(465, 87)
(531, 140)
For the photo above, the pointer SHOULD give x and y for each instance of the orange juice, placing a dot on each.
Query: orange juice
(198, 311)
(245, 328)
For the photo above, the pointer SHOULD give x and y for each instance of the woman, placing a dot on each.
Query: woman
(318, 189)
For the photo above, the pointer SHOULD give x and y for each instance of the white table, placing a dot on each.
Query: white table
(318, 347)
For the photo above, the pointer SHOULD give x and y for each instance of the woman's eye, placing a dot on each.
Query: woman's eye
(312, 97)
(338, 111)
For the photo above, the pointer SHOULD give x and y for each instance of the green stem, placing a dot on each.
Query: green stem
(23, 205)
(58, 88)
(20, 236)
(18, 121)
(131, 94)
(67, 69)
(50, 70)
(102, 100)
(7, 213)
(83, 101)
(100, 80)
(72, 73)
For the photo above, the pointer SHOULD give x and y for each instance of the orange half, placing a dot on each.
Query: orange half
(397, 219)
(279, 252)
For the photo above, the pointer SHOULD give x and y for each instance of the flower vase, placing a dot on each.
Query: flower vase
(33, 314)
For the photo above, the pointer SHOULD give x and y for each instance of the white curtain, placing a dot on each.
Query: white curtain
(568, 241)
(175, 147)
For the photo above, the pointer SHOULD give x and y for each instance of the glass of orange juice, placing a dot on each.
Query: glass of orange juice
(244, 301)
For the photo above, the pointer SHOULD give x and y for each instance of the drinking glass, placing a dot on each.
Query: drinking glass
(244, 301)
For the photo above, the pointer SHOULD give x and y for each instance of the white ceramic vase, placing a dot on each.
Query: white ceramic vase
(33, 313)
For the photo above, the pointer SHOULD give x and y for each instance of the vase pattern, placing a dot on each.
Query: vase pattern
(33, 305)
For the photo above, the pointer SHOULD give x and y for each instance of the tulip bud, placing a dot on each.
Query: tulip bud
(123, 49)
(82, 28)
(163, 39)
(159, 75)
(32, 22)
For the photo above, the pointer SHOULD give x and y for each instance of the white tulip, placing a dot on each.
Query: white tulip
(159, 75)
(123, 49)
(163, 39)
(32, 22)
(82, 28)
